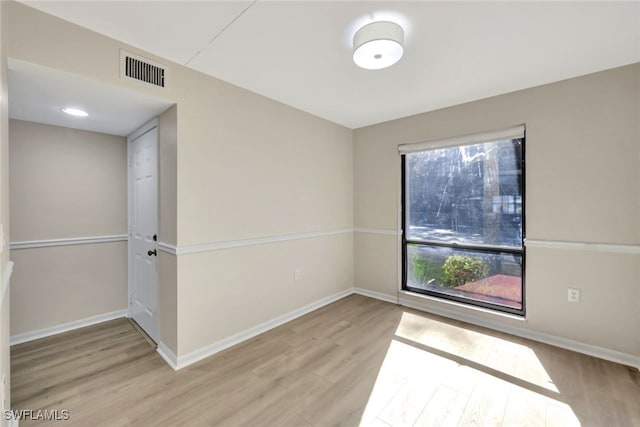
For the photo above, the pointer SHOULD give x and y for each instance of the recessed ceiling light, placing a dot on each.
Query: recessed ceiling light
(378, 45)
(75, 112)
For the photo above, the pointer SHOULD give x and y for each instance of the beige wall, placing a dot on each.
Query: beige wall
(167, 166)
(246, 167)
(66, 183)
(168, 301)
(232, 290)
(5, 297)
(167, 262)
(582, 185)
(57, 285)
(249, 167)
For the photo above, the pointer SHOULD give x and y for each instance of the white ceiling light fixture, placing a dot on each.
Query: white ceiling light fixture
(378, 45)
(75, 112)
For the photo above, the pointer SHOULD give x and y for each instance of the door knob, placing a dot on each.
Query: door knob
(153, 252)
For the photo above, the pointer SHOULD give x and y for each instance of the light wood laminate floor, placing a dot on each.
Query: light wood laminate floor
(357, 361)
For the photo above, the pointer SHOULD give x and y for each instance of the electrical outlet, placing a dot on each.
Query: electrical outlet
(573, 295)
(297, 274)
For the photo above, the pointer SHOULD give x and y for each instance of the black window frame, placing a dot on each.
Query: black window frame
(485, 248)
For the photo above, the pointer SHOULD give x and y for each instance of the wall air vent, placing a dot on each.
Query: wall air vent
(142, 69)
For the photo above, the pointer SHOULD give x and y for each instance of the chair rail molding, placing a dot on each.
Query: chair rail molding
(583, 246)
(30, 244)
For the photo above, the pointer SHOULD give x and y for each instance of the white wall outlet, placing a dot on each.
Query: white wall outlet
(573, 295)
(297, 274)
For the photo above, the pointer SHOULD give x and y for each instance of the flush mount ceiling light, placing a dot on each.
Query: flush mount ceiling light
(75, 112)
(378, 45)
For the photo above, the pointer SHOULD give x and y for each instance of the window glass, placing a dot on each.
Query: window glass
(463, 223)
(470, 194)
(491, 277)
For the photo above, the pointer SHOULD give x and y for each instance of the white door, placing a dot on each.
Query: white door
(143, 228)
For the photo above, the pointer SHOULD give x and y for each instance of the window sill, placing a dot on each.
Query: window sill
(442, 308)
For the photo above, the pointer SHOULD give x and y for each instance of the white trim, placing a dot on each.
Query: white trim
(29, 244)
(225, 343)
(149, 126)
(65, 327)
(6, 279)
(377, 231)
(177, 363)
(476, 138)
(591, 350)
(583, 246)
(216, 246)
(168, 355)
(405, 296)
(376, 295)
(14, 422)
(168, 248)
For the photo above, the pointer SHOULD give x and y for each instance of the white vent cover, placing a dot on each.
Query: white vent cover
(138, 68)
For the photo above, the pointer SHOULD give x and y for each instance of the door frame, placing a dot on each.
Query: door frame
(147, 127)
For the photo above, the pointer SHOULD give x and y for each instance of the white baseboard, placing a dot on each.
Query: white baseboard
(65, 327)
(204, 352)
(568, 344)
(179, 362)
(168, 356)
(377, 295)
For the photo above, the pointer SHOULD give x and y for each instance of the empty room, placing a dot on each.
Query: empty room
(319, 213)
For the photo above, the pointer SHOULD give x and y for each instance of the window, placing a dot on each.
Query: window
(463, 219)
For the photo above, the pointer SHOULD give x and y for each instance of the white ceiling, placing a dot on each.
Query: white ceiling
(299, 52)
(38, 94)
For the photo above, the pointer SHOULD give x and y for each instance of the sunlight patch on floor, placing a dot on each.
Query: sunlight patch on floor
(498, 354)
(424, 381)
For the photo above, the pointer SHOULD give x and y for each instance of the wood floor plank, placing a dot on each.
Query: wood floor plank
(407, 405)
(445, 408)
(274, 408)
(487, 403)
(525, 408)
(561, 415)
(358, 361)
(295, 421)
